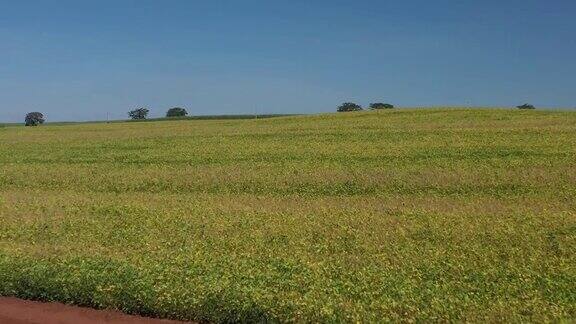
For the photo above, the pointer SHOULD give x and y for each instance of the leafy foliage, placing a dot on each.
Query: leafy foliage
(526, 106)
(349, 106)
(138, 114)
(34, 119)
(176, 112)
(380, 105)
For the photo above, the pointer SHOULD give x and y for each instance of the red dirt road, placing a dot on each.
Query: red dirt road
(18, 311)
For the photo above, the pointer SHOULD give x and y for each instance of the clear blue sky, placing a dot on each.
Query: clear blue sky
(77, 60)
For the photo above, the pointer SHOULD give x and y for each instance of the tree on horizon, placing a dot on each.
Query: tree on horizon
(139, 114)
(34, 119)
(349, 106)
(176, 112)
(526, 106)
(380, 105)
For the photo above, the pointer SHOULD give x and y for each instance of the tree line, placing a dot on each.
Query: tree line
(350, 106)
(142, 113)
(37, 118)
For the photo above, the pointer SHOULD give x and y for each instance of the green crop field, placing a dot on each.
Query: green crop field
(401, 215)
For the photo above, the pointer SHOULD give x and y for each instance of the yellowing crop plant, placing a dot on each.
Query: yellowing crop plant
(401, 215)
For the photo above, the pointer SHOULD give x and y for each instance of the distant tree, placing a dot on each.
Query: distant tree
(379, 105)
(176, 112)
(140, 113)
(349, 106)
(526, 106)
(34, 119)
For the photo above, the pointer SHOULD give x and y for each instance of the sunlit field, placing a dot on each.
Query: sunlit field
(401, 215)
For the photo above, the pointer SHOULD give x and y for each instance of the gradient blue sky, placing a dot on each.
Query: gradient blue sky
(78, 60)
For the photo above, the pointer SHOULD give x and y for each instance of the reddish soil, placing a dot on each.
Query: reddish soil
(18, 311)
